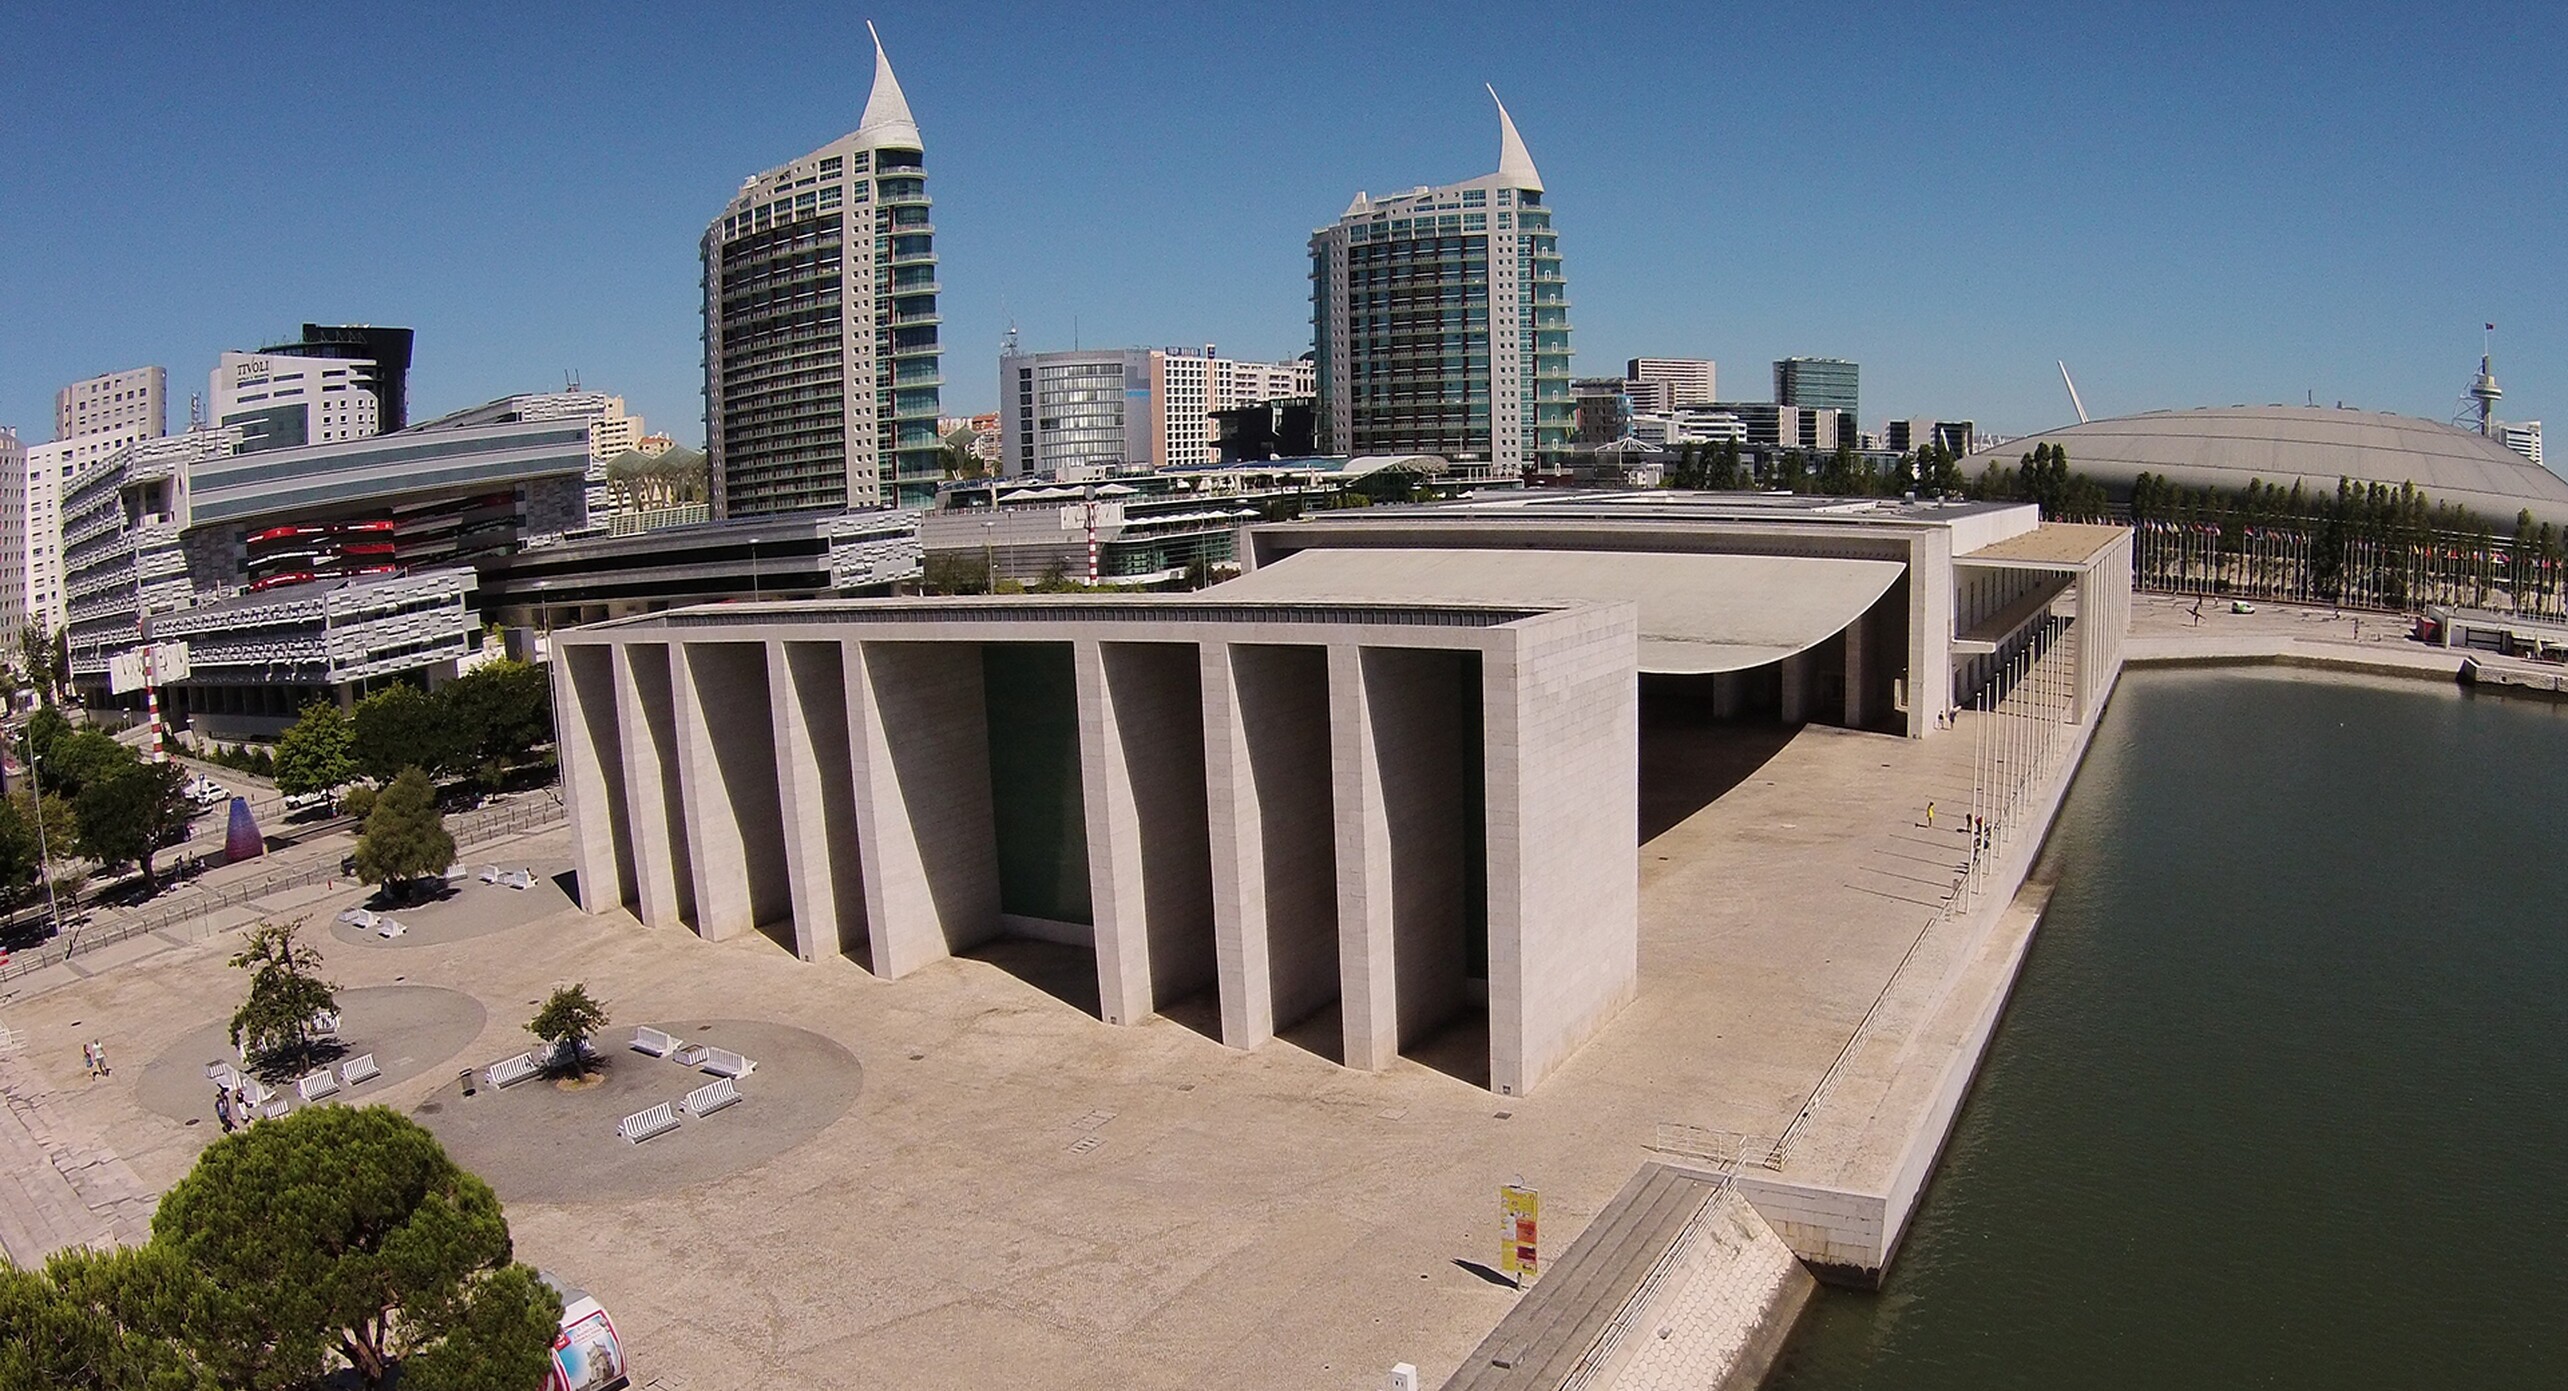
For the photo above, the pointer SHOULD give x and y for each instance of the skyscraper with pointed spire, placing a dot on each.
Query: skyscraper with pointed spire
(1440, 323)
(820, 344)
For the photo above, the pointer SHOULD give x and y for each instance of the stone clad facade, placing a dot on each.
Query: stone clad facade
(1417, 814)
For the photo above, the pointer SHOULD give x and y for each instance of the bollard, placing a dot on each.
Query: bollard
(466, 1077)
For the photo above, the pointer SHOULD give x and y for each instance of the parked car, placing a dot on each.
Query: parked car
(206, 792)
(299, 802)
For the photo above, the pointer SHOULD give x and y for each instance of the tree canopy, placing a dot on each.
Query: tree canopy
(500, 711)
(402, 727)
(317, 753)
(405, 837)
(347, 1235)
(92, 1320)
(286, 992)
(128, 815)
(569, 1019)
(78, 758)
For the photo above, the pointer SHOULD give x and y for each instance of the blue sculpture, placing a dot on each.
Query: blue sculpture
(241, 840)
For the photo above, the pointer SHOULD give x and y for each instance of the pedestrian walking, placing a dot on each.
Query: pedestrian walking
(223, 1107)
(99, 1051)
(89, 1058)
(1930, 816)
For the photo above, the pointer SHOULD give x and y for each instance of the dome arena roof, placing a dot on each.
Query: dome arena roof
(2226, 446)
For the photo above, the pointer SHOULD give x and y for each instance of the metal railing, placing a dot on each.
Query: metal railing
(479, 826)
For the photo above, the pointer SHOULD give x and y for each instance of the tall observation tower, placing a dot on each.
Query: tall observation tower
(2482, 396)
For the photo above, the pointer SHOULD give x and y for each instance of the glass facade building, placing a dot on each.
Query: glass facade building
(1440, 324)
(821, 357)
(1823, 382)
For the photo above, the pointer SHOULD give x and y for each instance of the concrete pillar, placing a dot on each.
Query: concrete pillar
(1366, 987)
(1142, 766)
(727, 776)
(664, 883)
(921, 760)
(1796, 687)
(1237, 844)
(592, 756)
(1859, 642)
(1562, 711)
(1115, 891)
(817, 791)
(1282, 854)
(1729, 690)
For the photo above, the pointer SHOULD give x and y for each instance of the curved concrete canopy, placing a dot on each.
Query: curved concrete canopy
(1698, 613)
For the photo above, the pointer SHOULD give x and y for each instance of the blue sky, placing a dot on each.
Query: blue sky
(2191, 204)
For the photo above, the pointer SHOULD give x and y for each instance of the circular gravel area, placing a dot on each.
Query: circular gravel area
(410, 1029)
(540, 1141)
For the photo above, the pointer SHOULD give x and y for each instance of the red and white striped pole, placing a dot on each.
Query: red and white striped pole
(1092, 541)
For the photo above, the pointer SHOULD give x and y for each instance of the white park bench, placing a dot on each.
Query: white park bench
(274, 1107)
(711, 1097)
(518, 879)
(722, 1062)
(326, 1024)
(360, 1068)
(490, 874)
(318, 1085)
(655, 1042)
(387, 929)
(359, 918)
(254, 1093)
(642, 1125)
(508, 1072)
(223, 1075)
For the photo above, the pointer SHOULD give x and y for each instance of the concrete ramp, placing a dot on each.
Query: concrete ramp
(1677, 1283)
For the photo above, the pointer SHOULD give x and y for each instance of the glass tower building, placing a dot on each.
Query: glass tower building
(1827, 382)
(820, 343)
(1440, 324)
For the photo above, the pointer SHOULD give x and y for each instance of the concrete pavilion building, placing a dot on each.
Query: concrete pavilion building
(1394, 771)
(821, 367)
(1440, 323)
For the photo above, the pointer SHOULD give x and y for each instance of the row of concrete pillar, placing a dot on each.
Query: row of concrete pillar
(1288, 824)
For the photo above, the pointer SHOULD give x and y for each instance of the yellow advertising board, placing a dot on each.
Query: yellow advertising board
(1519, 1210)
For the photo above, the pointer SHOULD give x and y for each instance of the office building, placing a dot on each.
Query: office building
(1670, 382)
(279, 401)
(2523, 437)
(820, 325)
(177, 524)
(100, 415)
(1089, 413)
(387, 349)
(1604, 410)
(48, 468)
(14, 485)
(1816, 382)
(1765, 425)
(1440, 323)
(1910, 436)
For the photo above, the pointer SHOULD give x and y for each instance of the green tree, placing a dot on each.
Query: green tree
(76, 760)
(274, 1024)
(46, 728)
(568, 1020)
(35, 658)
(19, 862)
(316, 754)
(499, 713)
(126, 817)
(345, 1235)
(101, 1321)
(405, 836)
(401, 727)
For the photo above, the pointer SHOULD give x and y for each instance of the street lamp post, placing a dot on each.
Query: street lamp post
(44, 851)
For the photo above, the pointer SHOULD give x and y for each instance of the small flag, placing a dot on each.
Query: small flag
(2492, 328)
